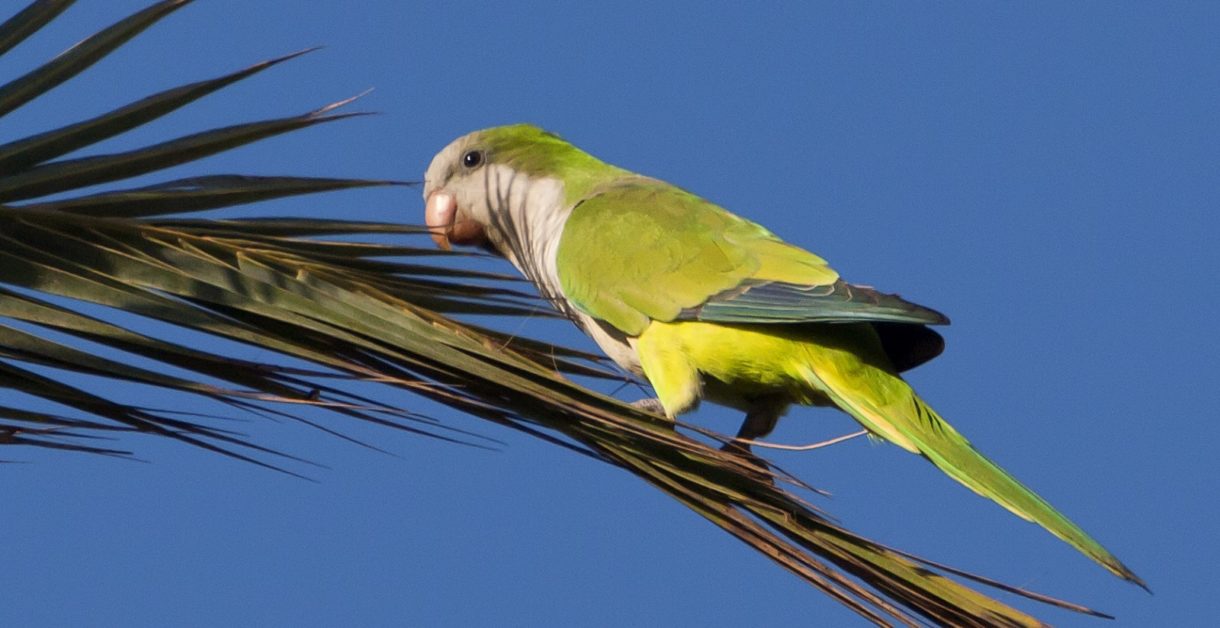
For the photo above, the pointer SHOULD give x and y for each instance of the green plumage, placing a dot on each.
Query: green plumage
(708, 304)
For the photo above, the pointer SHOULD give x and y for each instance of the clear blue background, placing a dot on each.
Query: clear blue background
(1045, 174)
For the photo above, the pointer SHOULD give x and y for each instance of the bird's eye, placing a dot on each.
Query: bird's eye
(472, 158)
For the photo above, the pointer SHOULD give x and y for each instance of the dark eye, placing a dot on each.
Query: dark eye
(472, 158)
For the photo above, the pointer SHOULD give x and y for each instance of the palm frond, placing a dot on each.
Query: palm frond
(28, 21)
(355, 302)
(76, 59)
(35, 149)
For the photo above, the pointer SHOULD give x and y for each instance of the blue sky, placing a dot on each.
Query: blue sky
(1044, 174)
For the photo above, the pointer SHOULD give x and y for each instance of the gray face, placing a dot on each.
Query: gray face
(453, 187)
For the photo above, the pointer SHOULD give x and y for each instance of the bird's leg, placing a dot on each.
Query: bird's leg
(760, 420)
(761, 416)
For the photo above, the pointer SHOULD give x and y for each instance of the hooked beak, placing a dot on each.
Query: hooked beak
(448, 224)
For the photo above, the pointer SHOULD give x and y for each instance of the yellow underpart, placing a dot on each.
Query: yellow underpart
(807, 364)
(674, 355)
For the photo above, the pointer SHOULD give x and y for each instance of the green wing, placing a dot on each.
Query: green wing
(640, 250)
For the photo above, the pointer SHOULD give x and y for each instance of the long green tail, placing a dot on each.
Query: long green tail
(888, 407)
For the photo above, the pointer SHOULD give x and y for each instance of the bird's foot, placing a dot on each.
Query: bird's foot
(652, 406)
(742, 449)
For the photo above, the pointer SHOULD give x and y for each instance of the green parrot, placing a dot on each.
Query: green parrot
(706, 304)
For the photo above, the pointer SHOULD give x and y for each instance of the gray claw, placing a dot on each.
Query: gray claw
(649, 405)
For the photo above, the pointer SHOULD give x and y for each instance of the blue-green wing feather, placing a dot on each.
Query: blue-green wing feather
(778, 302)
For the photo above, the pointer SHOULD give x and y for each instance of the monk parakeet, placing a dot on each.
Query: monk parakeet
(706, 304)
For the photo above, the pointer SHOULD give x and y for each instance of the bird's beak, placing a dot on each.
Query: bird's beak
(447, 223)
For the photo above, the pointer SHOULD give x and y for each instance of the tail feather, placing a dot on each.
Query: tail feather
(888, 407)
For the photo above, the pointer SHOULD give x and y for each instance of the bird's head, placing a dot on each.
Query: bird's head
(473, 187)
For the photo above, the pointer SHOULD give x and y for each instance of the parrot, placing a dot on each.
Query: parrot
(705, 304)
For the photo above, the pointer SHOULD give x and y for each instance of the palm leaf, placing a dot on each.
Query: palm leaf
(355, 302)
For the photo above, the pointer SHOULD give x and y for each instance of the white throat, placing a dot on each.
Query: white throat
(526, 215)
